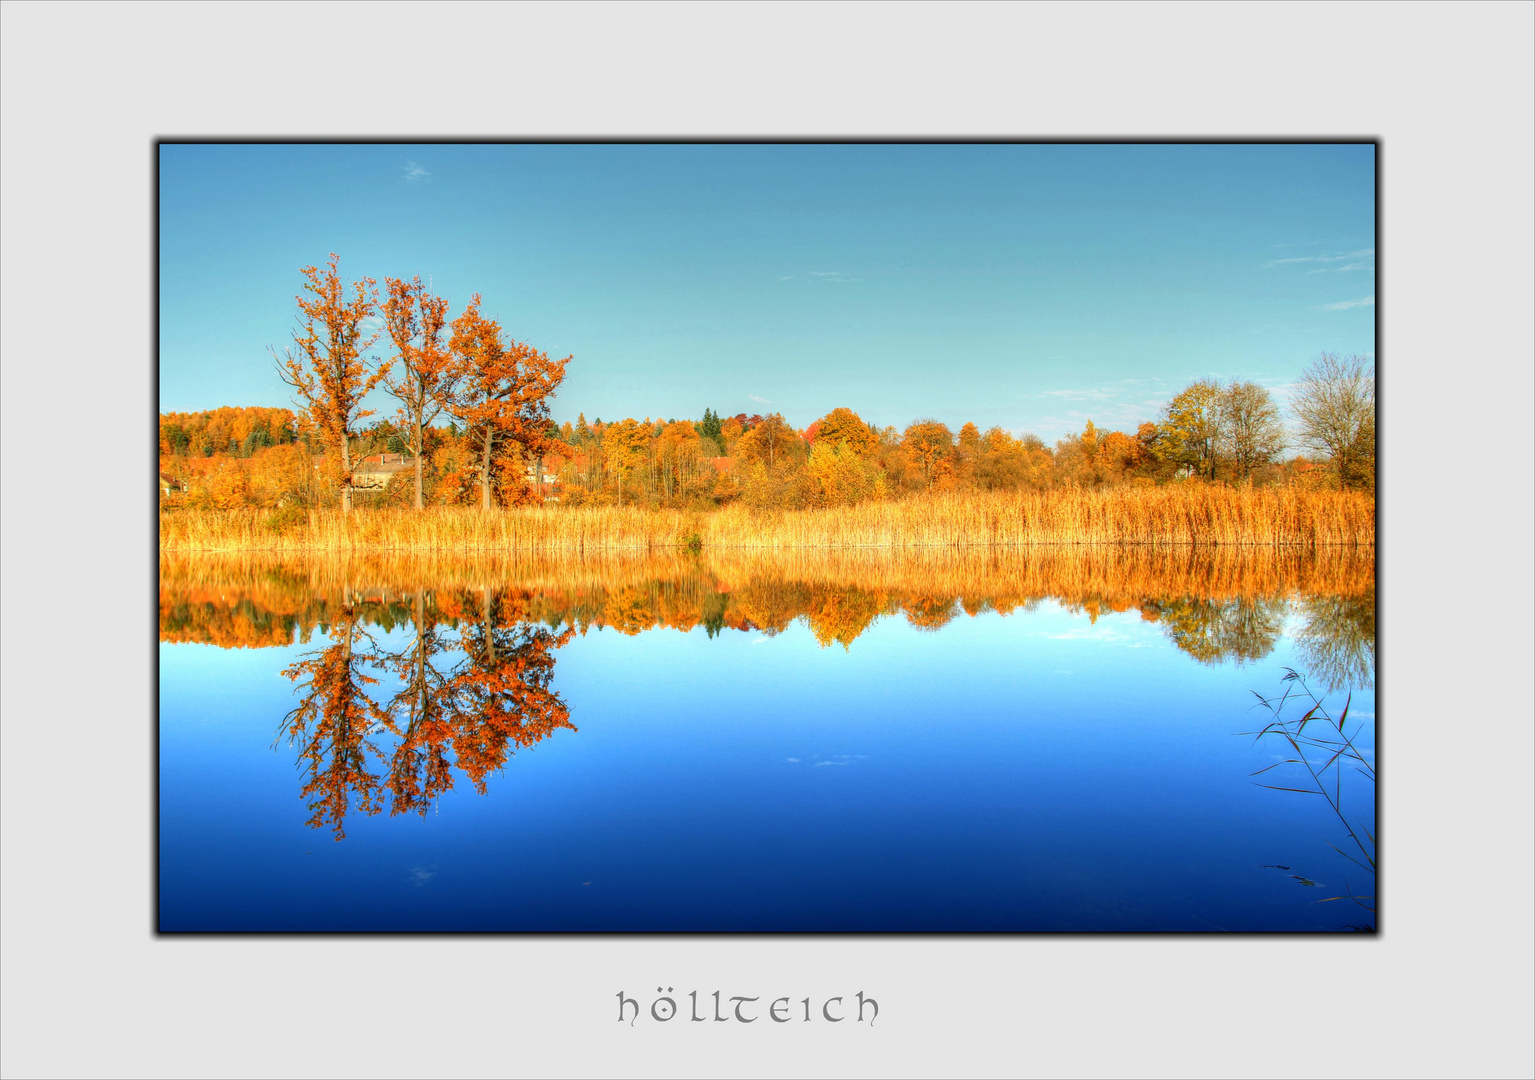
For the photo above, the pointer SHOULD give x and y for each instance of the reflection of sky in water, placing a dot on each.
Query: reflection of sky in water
(1034, 771)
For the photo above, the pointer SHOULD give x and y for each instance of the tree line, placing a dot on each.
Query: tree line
(473, 420)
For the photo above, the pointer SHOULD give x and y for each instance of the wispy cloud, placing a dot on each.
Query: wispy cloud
(1107, 392)
(759, 400)
(1342, 269)
(1098, 394)
(1344, 305)
(1328, 257)
(415, 174)
(818, 275)
(837, 759)
(420, 875)
(1111, 415)
(1123, 404)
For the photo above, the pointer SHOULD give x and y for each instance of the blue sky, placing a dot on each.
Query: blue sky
(1030, 287)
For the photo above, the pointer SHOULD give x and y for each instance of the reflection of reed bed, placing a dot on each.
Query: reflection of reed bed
(1072, 574)
(839, 592)
(1178, 514)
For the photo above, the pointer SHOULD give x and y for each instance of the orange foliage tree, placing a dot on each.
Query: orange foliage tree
(770, 442)
(929, 449)
(678, 455)
(415, 320)
(328, 371)
(846, 426)
(503, 391)
(624, 446)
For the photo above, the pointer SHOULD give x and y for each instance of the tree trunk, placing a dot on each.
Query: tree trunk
(490, 637)
(419, 447)
(421, 652)
(346, 475)
(485, 477)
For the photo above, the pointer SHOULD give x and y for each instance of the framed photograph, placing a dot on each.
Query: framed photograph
(767, 537)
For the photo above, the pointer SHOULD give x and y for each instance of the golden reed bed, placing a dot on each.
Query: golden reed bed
(1189, 514)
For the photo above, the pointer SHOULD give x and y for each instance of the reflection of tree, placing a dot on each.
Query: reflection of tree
(502, 689)
(841, 615)
(334, 722)
(1214, 630)
(471, 715)
(1337, 642)
(929, 612)
(419, 768)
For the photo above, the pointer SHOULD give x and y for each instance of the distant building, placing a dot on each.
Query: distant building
(532, 476)
(374, 472)
(169, 485)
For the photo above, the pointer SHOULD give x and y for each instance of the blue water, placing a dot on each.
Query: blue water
(1039, 771)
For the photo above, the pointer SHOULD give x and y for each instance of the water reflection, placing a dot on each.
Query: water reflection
(335, 723)
(1215, 605)
(1241, 629)
(1336, 640)
(474, 686)
(425, 670)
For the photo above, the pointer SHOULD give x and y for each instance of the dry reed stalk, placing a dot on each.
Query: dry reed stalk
(1188, 514)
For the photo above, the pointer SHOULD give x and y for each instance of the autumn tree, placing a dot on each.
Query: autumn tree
(1334, 406)
(769, 456)
(415, 320)
(1251, 433)
(845, 426)
(678, 456)
(840, 476)
(968, 453)
(1190, 431)
(624, 446)
(929, 449)
(1154, 464)
(730, 432)
(503, 391)
(1076, 458)
(1003, 463)
(771, 441)
(1119, 455)
(328, 370)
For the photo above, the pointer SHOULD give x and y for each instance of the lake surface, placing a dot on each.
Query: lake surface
(1042, 740)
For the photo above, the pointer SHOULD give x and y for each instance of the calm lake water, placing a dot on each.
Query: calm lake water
(1020, 741)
